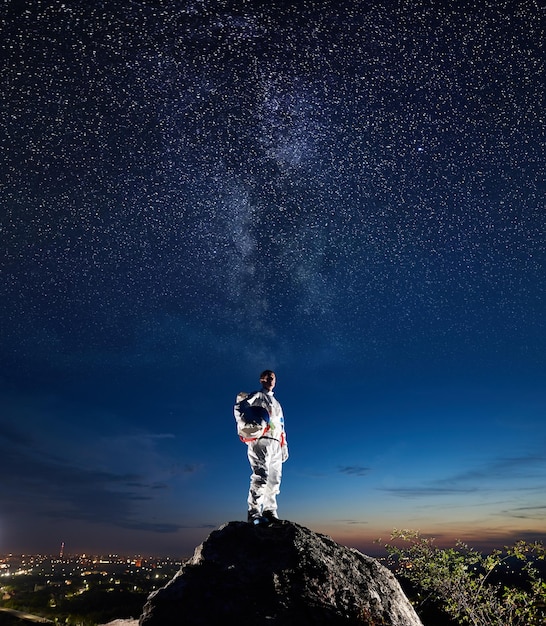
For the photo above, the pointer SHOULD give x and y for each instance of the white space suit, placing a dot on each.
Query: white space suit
(266, 454)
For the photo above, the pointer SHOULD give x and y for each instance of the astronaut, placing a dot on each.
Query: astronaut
(260, 424)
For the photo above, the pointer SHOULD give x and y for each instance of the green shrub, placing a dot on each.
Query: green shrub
(468, 585)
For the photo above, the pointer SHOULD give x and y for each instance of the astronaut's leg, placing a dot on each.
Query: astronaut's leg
(257, 457)
(274, 475)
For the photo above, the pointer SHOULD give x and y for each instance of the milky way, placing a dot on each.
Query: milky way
(347, 173)
(349, 192)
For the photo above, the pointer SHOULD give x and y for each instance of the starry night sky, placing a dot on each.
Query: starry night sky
(350, 193)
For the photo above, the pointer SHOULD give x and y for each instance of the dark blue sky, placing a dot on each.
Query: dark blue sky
(350, 193)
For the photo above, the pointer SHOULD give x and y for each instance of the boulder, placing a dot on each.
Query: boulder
(278, 575)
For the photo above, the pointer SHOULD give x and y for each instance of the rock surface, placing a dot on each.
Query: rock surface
(281, 575)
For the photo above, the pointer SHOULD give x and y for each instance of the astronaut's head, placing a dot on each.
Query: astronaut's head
(268, 380)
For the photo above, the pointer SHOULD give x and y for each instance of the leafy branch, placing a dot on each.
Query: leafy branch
(462, 580)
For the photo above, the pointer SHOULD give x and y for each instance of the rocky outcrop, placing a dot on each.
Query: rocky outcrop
(281, 575)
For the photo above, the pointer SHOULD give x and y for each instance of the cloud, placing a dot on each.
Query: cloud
(127, 523)
(354, 470)
(531, 465)
(40, 484)
(508, 538)
(526, 512)
(418, 492)
(488, 476)
(12, 435)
